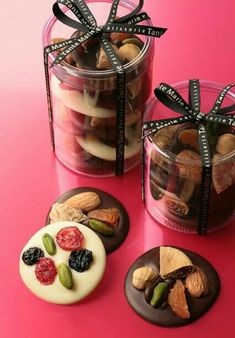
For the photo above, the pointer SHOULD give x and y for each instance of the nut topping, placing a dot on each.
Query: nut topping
(129, 51)
(197, 283)
(143, 276)
(103, 61)
(86, 201)
(62, 212)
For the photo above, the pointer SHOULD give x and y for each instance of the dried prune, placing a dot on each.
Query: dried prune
(32, 255)
(80, 260)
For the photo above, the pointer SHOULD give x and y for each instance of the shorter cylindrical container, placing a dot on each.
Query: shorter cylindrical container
(84, 95)
(172, 176)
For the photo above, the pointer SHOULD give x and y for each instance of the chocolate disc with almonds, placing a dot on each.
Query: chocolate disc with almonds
(175, 294)
(100, 211)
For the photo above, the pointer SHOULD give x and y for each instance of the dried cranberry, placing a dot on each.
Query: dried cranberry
(32, 255)
(46, 271)
(70, 238)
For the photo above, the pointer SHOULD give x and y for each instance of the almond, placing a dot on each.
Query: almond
(197, 283)
(110, 215)
(86, 201)
(177, 300)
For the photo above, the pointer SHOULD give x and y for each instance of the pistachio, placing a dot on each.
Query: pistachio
(100, 227)
(129, 51)
(133, 41)
(49, 244)
(148, 291)
(160, 293)
(103, 61)
(65, 276)
(225, 144)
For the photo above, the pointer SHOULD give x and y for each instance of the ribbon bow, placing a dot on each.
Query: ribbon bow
(191, 113)
(88, 26)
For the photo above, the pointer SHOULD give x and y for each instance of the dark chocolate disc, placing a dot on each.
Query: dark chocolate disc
(164, 316)
(113, 242)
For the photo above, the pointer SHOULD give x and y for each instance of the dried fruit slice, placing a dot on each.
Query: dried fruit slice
(172, 259)
(176, 205)
(110, 215)
(45, 271)
(70, 238)
(177, 300)
(188, 169)
(223, 175)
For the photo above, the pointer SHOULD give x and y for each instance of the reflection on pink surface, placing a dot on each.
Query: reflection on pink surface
(199, 43)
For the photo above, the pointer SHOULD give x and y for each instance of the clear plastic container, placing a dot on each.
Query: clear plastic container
(84, 103)
(172, 182)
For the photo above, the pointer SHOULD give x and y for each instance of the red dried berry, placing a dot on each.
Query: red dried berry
(70, 238)
(46, 271)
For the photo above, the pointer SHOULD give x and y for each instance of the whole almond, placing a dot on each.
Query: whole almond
(197, 283)
(87, 201)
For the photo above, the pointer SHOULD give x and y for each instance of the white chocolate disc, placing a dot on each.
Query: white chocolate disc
(83, 282)
(91, 144)
(74, 100)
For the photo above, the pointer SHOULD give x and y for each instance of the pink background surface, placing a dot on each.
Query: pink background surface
(199, 43)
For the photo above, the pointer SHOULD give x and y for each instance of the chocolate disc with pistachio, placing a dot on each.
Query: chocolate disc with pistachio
(98, 210)
(185, 287)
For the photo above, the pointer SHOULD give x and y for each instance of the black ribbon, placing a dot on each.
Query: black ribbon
(88, 26)
(191, 113)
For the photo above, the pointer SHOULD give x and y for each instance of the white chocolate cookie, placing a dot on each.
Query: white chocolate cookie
(83, 282)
